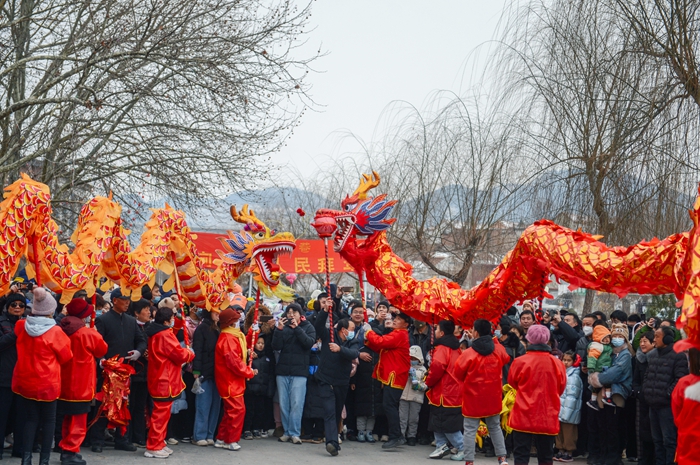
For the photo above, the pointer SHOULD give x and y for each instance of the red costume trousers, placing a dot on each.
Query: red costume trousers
(159, 425)
(73, 430)
(231, 425)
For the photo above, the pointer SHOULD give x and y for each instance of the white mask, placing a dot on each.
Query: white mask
(588, 330)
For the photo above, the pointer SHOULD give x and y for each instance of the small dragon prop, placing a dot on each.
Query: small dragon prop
(102, 250)
(659, 266)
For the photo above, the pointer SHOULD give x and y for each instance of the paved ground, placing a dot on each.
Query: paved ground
(271, 452)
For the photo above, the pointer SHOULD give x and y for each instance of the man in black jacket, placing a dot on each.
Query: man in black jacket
(207, 403)
(124, 338)
(293, 337)
(333, 373)
(15, 305)
(663, 372)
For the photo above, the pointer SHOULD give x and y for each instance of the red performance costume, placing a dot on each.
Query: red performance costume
(230, 374)
(165, 384)
(394, 358)
(78, 375)
(685, 402)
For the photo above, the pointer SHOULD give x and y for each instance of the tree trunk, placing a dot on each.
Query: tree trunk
(588, 302)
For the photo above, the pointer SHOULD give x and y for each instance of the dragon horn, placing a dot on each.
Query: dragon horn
(367, 182)
(247, 217)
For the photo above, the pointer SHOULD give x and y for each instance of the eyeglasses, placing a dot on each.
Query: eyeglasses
(17, 305)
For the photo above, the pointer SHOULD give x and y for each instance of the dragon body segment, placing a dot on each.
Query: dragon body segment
(102, 249)
(670, 265)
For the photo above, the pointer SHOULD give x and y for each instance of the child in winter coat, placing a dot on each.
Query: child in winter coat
(570, 413)
(412, 396)
(599, 359)
(258, 389)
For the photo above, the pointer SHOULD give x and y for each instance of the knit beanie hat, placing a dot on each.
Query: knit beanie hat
(620, 330)
(228, 317)
(44, 303)
(506, 323)
(15, 297)
(79, 308)
(537, 334)
(167, 302)
(383, 303)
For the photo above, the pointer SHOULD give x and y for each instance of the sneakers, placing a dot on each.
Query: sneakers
(411, 441)
(248, 436)
(361, 436)
(502, 460)
(232, 446)
(331, 449)
(384, 438)
(201, 442)
(593, 404)
(391, 443)
(609, 402)
(168, 450)
(566, 458)
(256, 434)
(279, 432)
(440, 452)
(173, 441)
(219, 443)
(210, 442)
(284, 438)
(370, 437)
(263, 434)
(458, 457)
(340, 439)
(156, 454)
(295, 440)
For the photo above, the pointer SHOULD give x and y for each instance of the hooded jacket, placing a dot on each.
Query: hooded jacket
(394, 357)
(230, 369)
(479, 369)
(165, 359)
(539, 379)
(572, 397)
(445, 388)
(599, 354)
(78, 375)
(409, 394)
(42, 347)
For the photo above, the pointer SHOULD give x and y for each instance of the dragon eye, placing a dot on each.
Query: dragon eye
(260, 235)
(349, 207)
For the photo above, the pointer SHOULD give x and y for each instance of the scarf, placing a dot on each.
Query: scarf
(238, 334)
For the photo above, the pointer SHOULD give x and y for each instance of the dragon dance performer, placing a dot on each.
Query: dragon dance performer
(165, 384)
(392, 371)
(230, 373)
(78, 379)
(41, 350)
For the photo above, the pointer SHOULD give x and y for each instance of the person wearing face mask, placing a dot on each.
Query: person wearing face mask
(138, 396)
(607, 419)
(510, 341)
(333, 374)
(15, 305)
(645, 442)
(165, 384)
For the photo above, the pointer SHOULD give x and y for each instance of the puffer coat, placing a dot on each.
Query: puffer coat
(572, 397)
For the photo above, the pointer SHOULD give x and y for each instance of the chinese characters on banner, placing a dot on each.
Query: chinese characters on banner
(308, 257)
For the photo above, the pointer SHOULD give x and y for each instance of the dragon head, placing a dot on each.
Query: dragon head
(360, 214)
(257, 246)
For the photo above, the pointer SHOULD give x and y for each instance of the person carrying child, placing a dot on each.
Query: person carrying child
(599, 358)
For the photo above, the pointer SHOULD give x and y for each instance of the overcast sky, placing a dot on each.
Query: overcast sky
(379, 51)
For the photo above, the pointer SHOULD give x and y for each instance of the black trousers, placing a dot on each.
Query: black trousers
(138, 401)
(629, 436)
(390, 402)
(522, 443)
(604, 435)
(333, 400)
(8, 413)
(255, 408)
(37, 415)
(97, 433)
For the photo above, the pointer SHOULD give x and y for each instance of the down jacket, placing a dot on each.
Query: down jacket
(165, 359)
(445, 388)
(78, 375)
(294, 345)
(394, 358)
(572, 397)
(409, 394)
(662, 374)
(204, 344)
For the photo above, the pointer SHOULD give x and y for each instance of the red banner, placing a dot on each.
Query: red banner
(308, 256)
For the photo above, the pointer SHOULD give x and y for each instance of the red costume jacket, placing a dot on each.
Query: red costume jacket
(685, 403)
(539, 379)
(480, 370)
(78, 376)
(37, 374)
(165, 359)
(230, 369)
(445, 388)
(394, 359)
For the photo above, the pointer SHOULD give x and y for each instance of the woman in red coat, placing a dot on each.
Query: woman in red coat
(445, 394)
(539, 379)
(164, 379)
(78, 379)
(41, 350)
(685, 403)
(230, 374)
